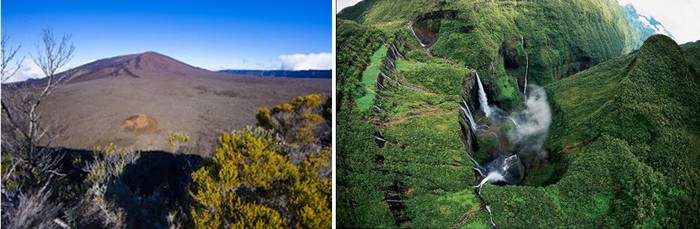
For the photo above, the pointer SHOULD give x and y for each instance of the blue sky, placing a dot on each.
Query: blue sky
(209, 34)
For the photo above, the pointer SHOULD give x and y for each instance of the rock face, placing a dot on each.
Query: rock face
(509, 166)
(140, 124)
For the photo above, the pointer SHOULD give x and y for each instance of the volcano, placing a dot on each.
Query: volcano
(93, 105)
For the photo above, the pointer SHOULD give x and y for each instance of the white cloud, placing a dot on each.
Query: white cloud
(658, 29)
(307, 61)
(342, 4)
(680, 17)
(28, 70)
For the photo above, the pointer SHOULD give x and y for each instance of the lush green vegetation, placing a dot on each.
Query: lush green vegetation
(439, 78)
(561, 38)
(692, 54)
(426, 158)
(355, 44)
(422, 167)
(623, 142)
(385, 13)
(359, 197)
(640, 100)
(632, 140)
(369, 78)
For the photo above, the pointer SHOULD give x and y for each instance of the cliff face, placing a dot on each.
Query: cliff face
(634, 116)
(559, 38)
(623, 139)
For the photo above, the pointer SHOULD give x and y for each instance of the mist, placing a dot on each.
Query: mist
(532, 124)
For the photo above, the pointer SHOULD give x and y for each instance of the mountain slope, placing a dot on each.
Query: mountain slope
(628, 130)
(643, 26)
(622, 142)
(170, 95)
(507, 41)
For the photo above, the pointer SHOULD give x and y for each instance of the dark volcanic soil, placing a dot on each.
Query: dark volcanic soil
(181, 98)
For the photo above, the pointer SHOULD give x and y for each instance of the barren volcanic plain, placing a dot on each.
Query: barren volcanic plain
(137, 100)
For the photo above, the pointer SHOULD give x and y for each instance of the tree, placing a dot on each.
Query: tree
(29, 164)
(8, 54)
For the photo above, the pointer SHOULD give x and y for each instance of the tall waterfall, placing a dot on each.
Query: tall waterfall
(468, 114)
(527, 64)
(482, 98)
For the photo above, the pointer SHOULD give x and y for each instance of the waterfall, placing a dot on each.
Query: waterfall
(513, 120)
(527, 64)
(414, 34)
(492, 177)
(390, 79)
(482, 97)
(396, 51)
(468, 114)
(399, 84)
(381, 87)
(493, 224)
(507, 162)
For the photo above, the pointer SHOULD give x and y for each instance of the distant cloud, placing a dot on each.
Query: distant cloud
(307, 61)
(680, 17)
(342, 4)
(28, 70)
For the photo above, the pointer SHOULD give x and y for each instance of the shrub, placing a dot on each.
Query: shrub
(251, 181)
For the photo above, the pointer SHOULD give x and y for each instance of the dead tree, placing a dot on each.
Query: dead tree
(8, 54)
(26, 136)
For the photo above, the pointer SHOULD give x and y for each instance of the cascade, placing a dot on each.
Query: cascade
(381, 87)
(513, 120)
(492, 177)
(398, 83)
(414, 34)
(493, 224)
(391, 61)
(396, 51)
(468, 114)
(527, 64)
(507, 162)
(390, 79)
(482, 97)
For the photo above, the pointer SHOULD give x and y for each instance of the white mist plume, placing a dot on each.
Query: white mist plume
(533, 123)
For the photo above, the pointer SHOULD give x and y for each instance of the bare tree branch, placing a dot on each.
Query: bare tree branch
(8, 54)
(26, 138)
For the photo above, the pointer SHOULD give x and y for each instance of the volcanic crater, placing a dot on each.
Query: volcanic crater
(135, 100)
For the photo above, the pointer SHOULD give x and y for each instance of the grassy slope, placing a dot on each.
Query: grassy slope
(424, 152)
(436, 186)
(369, 78)
(385, 14)
(558, 36)
(562, 37)
(359, 199)
(631, 133)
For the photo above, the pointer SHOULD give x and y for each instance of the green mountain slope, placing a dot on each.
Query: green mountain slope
(630, 130)
(624, 136)
(559, 38)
